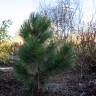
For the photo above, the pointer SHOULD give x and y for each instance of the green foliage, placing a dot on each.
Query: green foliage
(36, 25)
(36, 59)
(58, 58)
(65, 56)
(6, 47)
(33, 48)
(6, 50)
(3, 29)
(23, 74)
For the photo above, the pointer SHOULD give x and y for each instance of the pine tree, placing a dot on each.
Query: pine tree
(38, 60)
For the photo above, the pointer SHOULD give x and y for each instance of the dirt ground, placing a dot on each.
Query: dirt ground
(9, 86)
(65, 83)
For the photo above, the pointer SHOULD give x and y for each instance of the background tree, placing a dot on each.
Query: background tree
(64, 15)
(3, 29)
(6, 48)
(38, 60)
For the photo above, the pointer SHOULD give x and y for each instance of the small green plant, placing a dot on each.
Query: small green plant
(38, 60)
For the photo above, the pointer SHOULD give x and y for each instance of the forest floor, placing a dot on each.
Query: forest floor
(65, 83)
(9, 86)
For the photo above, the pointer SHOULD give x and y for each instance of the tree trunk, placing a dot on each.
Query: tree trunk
(37, 90)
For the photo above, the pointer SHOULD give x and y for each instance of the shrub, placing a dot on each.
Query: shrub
(86, 52)
(7, 49)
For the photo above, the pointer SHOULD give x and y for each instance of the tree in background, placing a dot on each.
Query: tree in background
(6, 46)
(39, 60)
(3, 29)
(64, 14)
